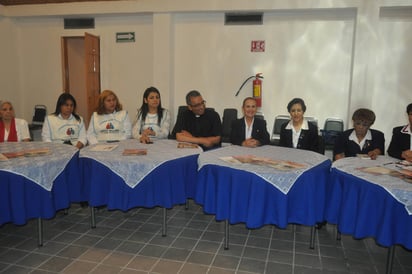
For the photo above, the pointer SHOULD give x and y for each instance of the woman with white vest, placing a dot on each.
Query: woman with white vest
(109, 123)
(152, 120)
(65, 125)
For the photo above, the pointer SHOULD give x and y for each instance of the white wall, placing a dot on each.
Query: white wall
(8, 65)
(337, 55)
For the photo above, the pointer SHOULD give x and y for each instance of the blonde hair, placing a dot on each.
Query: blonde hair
(103, 95)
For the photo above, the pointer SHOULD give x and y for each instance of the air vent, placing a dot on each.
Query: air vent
(79, 23)
(255, 18)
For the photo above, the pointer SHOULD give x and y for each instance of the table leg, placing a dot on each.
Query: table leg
(312, 237)
(389, 260)
(226, 235)
(164, 223)
(39, 232)
(92, 217)
(338, 235)
(187, 204)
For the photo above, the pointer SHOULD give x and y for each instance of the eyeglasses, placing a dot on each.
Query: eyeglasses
(199, 104)
(362, 123)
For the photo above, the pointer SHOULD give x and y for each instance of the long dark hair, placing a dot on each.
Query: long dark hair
(144, 109)
(62, 100)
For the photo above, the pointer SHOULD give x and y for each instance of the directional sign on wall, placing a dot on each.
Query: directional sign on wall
(125, 37)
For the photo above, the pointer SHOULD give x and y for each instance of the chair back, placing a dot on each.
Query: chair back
(229, 115)
(331, 130)
(179, 117)
(40, 112)
(277, 125)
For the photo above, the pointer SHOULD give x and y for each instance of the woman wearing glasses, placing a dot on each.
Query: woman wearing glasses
(361, 140)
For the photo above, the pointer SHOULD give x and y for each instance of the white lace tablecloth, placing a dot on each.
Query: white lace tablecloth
(282, 180)
(398, 188)
(43, 169)
(133, 169)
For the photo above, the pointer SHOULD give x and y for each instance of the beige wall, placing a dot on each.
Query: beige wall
(337, 55)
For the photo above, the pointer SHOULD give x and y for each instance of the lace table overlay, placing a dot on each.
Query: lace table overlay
(41, 169)
(400, 189)
(281, 179)
(133, 168)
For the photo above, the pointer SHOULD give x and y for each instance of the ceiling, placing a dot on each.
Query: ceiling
(33, 2)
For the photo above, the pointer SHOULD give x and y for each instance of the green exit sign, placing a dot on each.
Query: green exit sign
(125, 37)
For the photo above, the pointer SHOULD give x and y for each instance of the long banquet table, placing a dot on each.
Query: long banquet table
(259, 193)
(36, 185)
(164, 177)
(371, 198)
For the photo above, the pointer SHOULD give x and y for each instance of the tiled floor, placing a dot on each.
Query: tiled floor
(131, 242)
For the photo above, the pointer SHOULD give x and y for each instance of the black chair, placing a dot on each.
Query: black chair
(39, 114)
(331, 130)
(229, 115)
(259, 116)
(277, 125)
(179, 117)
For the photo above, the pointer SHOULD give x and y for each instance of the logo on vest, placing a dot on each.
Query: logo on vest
(109, 126)
(70, 131)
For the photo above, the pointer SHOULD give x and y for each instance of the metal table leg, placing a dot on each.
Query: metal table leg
(164, 223)
(39, 231)
(312, 237)
(226, 235)
(92, 217)
(389, 260)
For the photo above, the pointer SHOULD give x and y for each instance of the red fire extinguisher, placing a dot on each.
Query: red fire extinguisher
(257, 89)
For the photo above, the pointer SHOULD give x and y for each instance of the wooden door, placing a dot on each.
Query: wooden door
(92, 64)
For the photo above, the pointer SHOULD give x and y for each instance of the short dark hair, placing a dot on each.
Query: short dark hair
(409, 108)
(297, 101)
(364, 114)
(190, 94)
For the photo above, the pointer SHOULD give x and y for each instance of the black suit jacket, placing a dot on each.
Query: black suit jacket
(308, 139)
(259, 132)
(399, 142)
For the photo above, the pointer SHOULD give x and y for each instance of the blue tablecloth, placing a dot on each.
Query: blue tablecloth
(170, 181)
(366, 209)
(22, 199)
(242, 196)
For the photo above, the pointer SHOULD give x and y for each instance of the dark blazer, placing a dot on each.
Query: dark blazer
(401, 140)
(308, 139)
(350, 148)
(259, 132)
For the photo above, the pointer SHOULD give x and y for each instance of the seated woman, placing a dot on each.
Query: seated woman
(361, 139)
(12, 129)
(64, 125)
(401, 142)
(152, 121)
(248, 131)
(109, 123)
(299, 133)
